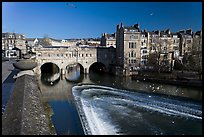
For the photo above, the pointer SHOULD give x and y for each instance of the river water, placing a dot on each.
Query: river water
(106, 104)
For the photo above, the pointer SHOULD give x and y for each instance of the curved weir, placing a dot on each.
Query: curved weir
(106, 110)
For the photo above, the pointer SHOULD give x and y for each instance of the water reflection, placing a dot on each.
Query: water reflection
(157, 88)
(49, 79)
(72, 72)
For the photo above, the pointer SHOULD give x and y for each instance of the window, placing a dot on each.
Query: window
(86, 55)
(90, 55)
(188, 41)
(165, 48)
(132, 45)
(132, 54)
(144, 51)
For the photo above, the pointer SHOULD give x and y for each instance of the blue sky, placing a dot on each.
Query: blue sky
(62, 20)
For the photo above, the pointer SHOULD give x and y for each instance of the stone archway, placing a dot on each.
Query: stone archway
(50, 73)
(98, 67)
(74, 72)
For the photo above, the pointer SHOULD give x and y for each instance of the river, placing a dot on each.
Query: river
(106, 104)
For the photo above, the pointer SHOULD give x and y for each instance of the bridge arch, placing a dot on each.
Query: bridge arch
(98, 67)
(50, 73)
(50, 67)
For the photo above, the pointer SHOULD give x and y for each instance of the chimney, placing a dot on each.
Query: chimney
(189, 31)
(136, 26)
(118, 27)
(121, 25)
(168, 31)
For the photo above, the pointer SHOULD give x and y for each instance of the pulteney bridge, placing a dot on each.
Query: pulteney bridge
(86, 57)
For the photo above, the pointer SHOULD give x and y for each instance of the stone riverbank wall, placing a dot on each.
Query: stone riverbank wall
(25, 114)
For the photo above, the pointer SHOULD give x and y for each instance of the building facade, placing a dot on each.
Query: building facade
(12, 41)
(186, 41)
(128, 48)
(108, 40)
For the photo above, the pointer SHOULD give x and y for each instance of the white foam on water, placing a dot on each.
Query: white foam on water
(90, 100)
(98, 122)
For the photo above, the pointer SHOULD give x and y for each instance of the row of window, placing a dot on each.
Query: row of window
(70, 55)
(111, 44)
(132, 54)
(134, 37)
(132, 61)
(132, 45)
(8, 41)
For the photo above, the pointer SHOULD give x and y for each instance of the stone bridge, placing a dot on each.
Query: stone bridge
(84, 56)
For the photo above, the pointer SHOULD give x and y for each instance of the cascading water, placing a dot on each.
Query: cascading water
(106, 110)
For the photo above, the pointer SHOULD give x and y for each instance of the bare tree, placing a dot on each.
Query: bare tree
(46, 40)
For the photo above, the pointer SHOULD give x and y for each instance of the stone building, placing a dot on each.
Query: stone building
(108, 40)
(197, 50)
(165, 46)
(32, 41)
(197, 41)
(128, 48)
(186, 41)
(12, 40)
(144, 49)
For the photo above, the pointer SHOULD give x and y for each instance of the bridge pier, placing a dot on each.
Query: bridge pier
(62, 71)
(85, 71)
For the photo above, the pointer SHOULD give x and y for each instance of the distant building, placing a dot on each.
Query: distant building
(11, 41)
(186, 41)
(108, 40)
(32, 41)
(197, 41)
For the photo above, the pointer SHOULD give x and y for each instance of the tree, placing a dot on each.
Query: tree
(46, 41)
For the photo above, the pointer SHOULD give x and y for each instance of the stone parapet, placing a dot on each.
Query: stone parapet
(25, 114)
